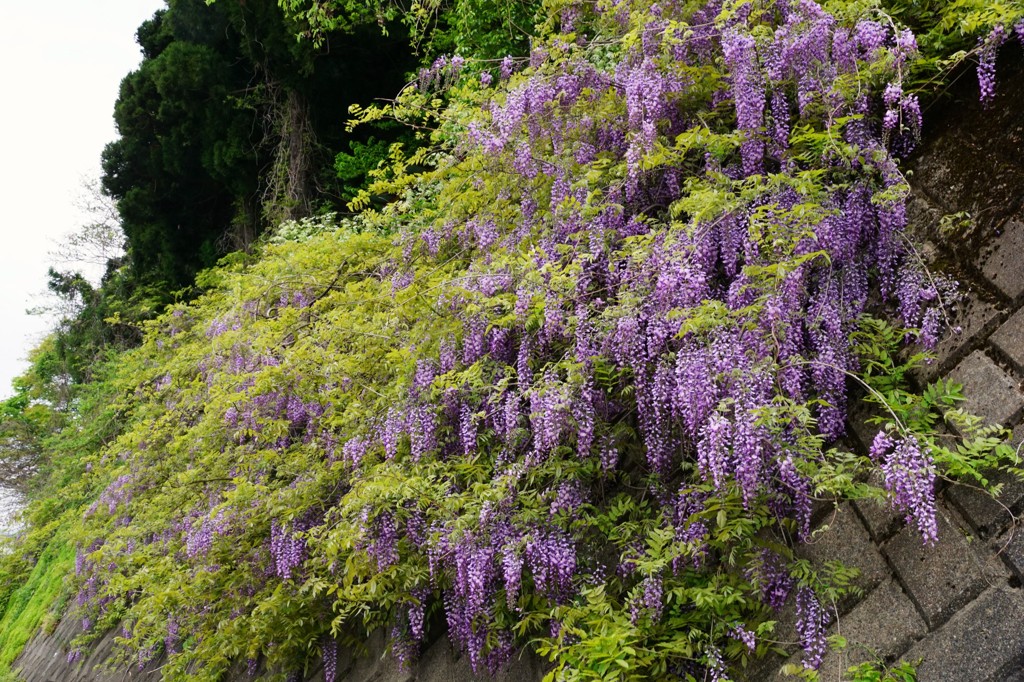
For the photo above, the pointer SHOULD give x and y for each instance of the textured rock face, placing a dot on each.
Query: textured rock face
(957, 607)
(45, 660)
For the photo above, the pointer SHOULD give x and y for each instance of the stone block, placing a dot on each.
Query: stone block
(923, 226)
(990, 392)
(1010, 547)
(997, 129)
(999, 261)
(440, 663)
(44, 658)
(972, 320)
(879, 517)
(1008, 339)
(982, 643)
(943, 578)
(843, 538)
(785, 643)
(373, 664)
(881, 627)
(990, 515)
(859, 426)
(961, 174)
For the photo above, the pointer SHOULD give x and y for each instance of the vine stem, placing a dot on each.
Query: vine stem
(903, 428)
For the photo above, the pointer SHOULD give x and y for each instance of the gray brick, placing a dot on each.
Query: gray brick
(859, 425)
(440, 663)
(923, 219)
(1000, 261)
(880, 628)
(990, 515)
(943, 578)
(971, 322)
(982, 643)
(962, 175)
(1009, 339)
(785, 641)
(991, 393)
(879, 517)
(843, 538)
(1010, 547)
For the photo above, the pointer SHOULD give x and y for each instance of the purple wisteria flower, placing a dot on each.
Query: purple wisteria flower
(910, 478)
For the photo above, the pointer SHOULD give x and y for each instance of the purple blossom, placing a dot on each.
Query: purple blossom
(329, 649)
(871, 37)
(287, 551)
(383, 548)
(910, 478)
(987, 51)
(172, 639)
(746, 636)
(551, 557)
(748, 94)
(512, 571)
(772, 577)
(650, 600)
(811, 622)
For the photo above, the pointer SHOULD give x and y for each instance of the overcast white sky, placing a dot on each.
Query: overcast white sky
(60, 66)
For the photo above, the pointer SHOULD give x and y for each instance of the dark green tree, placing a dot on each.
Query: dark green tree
(231, 124)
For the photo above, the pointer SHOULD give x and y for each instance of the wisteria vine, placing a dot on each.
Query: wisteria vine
(595, 365)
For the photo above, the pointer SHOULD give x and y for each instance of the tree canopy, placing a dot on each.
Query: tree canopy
(229, 121)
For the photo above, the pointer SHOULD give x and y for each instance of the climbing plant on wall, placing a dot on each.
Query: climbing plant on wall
(580, 382)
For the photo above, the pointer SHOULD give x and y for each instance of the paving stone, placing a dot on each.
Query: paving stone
(943, 578)
(990, 515)
(843, 538)
(1009, 339)
(970, 323)
(1010, 546)
(44, 658)
(880, 628)
(786, 643)
(440, 663)
(859, 425)
(923, 218)
(999, 128)
(961, 174)
(881, 520)
(990, 392)
(1000, 260)
(982, 643)
(371, 664)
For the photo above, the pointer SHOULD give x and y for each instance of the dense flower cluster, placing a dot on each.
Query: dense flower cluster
(601, 372)
(987, 51)
(910, 477)
(811, 622)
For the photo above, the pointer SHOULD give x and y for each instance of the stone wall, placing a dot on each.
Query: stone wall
(958, 607)
(45, 660)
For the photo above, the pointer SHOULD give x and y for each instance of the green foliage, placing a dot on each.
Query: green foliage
(229, 120)
(180, 469)
(874, 672)
(950, 33)
(473, 28)
(25, 609)
(945, 27)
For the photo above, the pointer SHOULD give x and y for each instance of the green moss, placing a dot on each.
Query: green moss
(28, 605)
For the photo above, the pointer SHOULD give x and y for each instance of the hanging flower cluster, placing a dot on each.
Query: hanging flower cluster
(591, 376)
